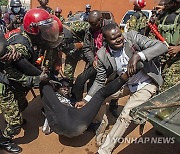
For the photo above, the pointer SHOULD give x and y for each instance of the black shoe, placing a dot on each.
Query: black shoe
(9, 145)
(93, 126)
(114, 112)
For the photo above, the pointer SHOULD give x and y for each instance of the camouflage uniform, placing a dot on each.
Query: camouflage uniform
(171, 33)
(72, 55)
(137, 22)
(13, 101)
(61, 18)
(52, 58)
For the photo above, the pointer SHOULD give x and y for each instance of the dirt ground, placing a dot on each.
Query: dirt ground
(33, 141)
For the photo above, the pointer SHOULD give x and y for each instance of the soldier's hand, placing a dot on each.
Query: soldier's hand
(12, 55)
(45, 69)
(172, 50)
(131, 68)
(78, 45)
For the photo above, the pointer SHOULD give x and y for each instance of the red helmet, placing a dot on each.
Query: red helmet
(32, 18)
(59, 23)
(58, 10)
(140, 3)
(38, 20)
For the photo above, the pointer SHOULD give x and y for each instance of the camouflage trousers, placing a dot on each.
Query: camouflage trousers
(12, 103)
(70, 66)
(171, 75)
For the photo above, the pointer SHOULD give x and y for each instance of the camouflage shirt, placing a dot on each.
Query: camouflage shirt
(137, 22)
(11, 71)
(61, 18)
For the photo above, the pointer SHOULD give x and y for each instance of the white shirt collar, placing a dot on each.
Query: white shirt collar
(114, 51)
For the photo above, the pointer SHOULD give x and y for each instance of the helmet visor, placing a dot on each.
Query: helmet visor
(49, 30)
(57, 42)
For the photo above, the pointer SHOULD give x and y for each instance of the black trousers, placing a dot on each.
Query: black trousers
(78, 88)
(70, 121)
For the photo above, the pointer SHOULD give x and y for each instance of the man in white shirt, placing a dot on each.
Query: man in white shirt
(122, 53)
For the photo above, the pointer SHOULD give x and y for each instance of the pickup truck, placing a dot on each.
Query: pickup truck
(162, 111)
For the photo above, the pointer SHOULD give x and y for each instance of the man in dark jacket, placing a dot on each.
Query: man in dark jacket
(93, 41)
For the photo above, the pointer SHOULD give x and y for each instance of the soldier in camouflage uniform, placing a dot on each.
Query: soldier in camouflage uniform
(73, 37)
(138, 20)
(169, 26)
(12, 98)
(57, 13)
(43, 5)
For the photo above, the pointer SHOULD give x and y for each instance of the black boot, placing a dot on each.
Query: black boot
(8, 145)
(113, 108)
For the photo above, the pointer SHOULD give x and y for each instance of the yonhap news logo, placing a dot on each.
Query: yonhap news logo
(144, 140)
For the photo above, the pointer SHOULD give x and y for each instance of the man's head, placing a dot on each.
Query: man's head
(88, 7)
(95, 20)
(15, 6)
(39, 23)
(139, 4)
(43, 2)
(64, 87)
(113, 36)
(57, 11)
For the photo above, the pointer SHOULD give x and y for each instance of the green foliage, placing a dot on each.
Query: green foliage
(4, 2)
